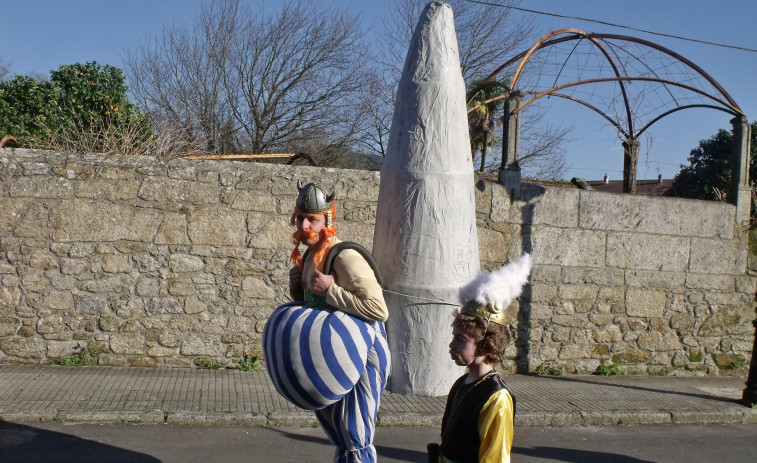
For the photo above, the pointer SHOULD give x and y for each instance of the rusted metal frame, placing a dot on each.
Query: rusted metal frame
(614, 123)
(701, 71)
(577, 34)
(620, 81)
(720, 108)
(644, 79)
(544, 43)
(643, 63)
(8, 139)
(522, 54)
(486, 102)
(539, 44)
(565, 61)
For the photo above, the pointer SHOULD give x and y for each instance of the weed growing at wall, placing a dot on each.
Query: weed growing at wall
(545, 369)
(82, 358)
(249, 363)
(207, 364)
(611, 369)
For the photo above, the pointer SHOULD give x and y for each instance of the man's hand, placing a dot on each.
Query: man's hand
(295, 278)
(320, 282)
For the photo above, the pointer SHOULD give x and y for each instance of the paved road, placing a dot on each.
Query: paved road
(53, 442)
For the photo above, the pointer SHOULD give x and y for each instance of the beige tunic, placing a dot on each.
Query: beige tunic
(355, 289)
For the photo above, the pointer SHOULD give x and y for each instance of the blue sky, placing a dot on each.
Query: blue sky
(40, 35)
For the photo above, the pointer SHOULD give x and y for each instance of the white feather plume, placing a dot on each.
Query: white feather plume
(500, 287)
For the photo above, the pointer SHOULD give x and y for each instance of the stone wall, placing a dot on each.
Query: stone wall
(158, 262)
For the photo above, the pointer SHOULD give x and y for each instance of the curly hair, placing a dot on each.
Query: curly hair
(491, 338)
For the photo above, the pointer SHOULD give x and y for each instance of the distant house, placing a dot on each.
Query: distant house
(656, 187)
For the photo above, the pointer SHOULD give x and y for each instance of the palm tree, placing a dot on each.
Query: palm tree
(485, 99)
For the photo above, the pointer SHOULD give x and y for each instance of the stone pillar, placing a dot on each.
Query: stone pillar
(739, 193)
(509, 171)
(630, 160)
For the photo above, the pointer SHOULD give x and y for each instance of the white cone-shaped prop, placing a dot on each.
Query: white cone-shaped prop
(425, 240)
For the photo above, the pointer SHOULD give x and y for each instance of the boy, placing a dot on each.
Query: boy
(478, 420)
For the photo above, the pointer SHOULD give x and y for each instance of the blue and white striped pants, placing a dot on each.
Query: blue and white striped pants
(333, 363)
(351, 422)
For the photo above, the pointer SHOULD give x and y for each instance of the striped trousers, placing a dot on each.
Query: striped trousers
(350, 422)
(335, 364)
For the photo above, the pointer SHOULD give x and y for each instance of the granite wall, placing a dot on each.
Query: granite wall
(158, 262)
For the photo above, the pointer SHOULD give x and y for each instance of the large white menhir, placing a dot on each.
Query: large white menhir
(425, 241)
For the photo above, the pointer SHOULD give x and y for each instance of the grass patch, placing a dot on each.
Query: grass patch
(736, 364)
(82, 358)
(753, 241)
(610, 369)
(249, 363)
(545, 369)
(207, 364)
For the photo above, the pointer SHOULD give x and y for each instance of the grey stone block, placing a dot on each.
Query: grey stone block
(647, 252)
(559, 246)
(717, 256)
(663, 216)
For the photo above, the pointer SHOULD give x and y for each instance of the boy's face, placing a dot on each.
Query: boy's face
(463, 347)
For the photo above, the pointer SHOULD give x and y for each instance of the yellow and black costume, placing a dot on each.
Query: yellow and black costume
(479, 418)
(478, 421)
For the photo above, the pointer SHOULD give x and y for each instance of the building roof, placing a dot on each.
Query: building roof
(656, 187)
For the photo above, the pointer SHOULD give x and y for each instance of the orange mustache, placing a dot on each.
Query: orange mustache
(302, 235)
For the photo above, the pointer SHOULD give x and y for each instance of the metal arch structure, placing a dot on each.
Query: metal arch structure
(623, 68)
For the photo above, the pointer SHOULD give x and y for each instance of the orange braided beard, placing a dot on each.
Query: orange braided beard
(325, 238)
(301, 235)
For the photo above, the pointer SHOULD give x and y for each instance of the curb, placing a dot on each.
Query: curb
(307, 419)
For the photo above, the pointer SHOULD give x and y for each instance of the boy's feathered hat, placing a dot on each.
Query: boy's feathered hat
(488, 295)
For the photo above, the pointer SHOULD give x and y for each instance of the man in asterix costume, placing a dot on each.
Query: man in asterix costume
(478, 420)
(357, 291)
(327, 350)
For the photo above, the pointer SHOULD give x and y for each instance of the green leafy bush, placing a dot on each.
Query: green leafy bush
(83, 107)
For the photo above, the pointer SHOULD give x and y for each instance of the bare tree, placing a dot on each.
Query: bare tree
(376, 97)
(254, 80)
(5, 68)
(178, 75)
(487, 36)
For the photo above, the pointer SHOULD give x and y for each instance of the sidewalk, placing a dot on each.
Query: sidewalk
(231, 397)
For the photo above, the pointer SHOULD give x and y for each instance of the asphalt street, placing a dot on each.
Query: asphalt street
(54, 442)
